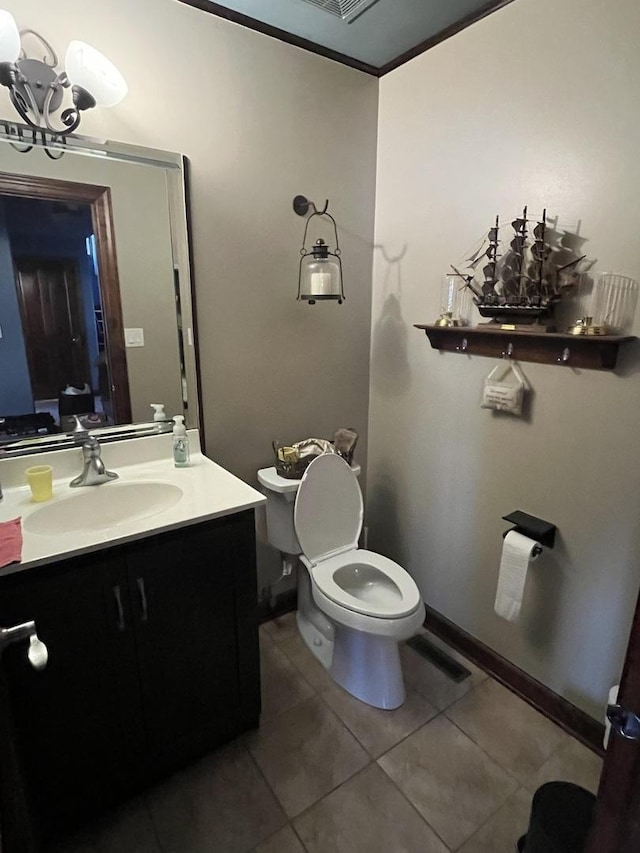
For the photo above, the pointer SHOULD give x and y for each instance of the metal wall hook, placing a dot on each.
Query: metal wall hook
(462, 347)
(301, 205)
(508, 353)
(564, 357)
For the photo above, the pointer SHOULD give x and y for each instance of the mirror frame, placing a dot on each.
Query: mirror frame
(176, 168)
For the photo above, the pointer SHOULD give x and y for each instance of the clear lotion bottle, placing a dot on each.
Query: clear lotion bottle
(180, 443)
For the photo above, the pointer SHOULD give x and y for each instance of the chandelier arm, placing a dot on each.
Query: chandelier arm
(18, 102)
(50, 57)
(70, 117)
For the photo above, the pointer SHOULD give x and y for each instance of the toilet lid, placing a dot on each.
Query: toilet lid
(328, 509)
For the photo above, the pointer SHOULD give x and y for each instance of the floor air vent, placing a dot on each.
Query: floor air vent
(440, 658)
(347, 10)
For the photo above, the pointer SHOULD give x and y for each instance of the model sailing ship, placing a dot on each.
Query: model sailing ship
(523, 284)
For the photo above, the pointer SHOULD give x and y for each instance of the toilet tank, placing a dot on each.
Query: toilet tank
(281, 497)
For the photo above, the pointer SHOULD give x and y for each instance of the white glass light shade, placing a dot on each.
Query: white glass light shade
(90, 69)
(9, 37)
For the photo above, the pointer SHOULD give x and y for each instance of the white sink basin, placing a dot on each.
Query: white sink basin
(102, 507)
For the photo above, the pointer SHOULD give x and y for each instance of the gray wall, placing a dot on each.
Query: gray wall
(260, 122)
(537, 105)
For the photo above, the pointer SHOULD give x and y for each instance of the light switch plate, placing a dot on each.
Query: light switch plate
(134, 337)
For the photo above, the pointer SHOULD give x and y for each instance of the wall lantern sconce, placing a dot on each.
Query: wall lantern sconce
(320, 275)
(36, 87)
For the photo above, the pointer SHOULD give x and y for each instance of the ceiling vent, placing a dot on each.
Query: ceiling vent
(347, 10)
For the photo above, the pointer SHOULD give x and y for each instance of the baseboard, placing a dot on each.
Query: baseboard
(572, 719)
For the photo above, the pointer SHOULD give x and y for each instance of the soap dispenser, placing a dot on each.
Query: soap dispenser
(180, 443)
(158, 412)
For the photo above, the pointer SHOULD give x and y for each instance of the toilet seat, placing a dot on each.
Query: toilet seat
(328, 519)
(397, 594)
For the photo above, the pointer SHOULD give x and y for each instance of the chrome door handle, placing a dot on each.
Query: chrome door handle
(38, 653)
(144, 613)
(118, 598)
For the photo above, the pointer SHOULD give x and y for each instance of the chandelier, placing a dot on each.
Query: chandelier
(37, 86)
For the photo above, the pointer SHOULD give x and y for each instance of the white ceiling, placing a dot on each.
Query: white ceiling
(377, 38)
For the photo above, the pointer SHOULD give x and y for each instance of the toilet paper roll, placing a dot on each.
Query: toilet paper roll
(517, 555)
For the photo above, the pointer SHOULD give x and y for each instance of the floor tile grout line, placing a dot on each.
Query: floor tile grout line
(414, 732)
(499, 761)
(439, 712)
(413, 806)
(521, 785)
(402, 739)
(156, 833)
(492, 815)
(266, 782)
(297, 669)
(335, 787)
(320, 693)
(333, 790)
(560, 746)
(297, 835)
(484, 752)
(346, 725)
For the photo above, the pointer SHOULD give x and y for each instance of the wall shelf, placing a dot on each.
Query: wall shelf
(597, 352)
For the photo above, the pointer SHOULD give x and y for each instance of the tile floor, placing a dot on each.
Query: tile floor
(454, 769)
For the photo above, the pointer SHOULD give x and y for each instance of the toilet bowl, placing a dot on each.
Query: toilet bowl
(354, 606)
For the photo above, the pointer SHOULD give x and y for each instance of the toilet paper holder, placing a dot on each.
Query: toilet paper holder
(535, 528)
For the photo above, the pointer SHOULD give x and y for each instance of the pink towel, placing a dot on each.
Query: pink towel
(10, 541)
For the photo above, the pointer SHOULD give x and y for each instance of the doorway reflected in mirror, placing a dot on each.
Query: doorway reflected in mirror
(137, 198)
(64, 344)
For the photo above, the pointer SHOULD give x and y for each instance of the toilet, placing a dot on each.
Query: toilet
(354, 606)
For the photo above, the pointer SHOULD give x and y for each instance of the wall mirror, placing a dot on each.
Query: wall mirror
(96, 316)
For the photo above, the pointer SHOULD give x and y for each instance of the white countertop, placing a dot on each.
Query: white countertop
(208, 492)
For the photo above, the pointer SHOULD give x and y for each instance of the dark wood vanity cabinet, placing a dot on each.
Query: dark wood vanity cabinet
(153, 660)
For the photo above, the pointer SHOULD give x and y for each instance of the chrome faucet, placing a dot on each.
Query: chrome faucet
(93, 473)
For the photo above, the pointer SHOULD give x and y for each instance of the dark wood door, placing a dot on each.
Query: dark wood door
(617, 820)
(75, 724)
(182, 598)
(51, 305)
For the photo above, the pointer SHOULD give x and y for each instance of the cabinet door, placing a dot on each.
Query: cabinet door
(183, 601)
(74, 723)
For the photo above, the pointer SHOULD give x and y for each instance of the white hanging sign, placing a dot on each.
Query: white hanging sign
(504, 389)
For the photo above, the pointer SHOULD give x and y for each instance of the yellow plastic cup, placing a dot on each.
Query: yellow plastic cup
(40, 479)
